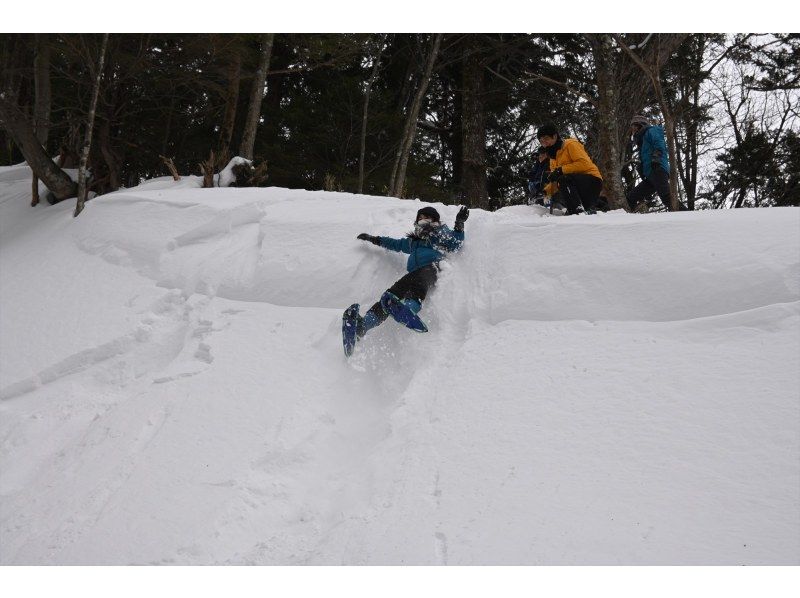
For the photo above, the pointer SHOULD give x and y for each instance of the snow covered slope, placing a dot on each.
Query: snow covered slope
(594, 390)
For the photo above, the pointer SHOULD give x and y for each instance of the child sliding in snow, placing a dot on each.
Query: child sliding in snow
(403, 300)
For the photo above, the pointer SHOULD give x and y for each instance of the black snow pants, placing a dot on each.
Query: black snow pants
(414, 285)
(656, 182)
(577, 189)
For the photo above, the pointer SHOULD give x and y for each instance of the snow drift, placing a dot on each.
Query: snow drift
(614, 389)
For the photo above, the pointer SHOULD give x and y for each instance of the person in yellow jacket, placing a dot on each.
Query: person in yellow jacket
(572, 172)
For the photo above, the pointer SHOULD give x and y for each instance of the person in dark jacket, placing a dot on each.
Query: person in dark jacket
(654, 167)
(572, 172)
(426, 247)
(537, 177)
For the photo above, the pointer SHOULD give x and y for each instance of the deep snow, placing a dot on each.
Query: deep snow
(594, 390)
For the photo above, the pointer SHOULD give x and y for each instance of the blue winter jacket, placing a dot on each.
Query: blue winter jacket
(652, 141)
(422, 252)
(537, 177)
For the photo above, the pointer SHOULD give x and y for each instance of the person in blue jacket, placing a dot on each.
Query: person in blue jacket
(654, 168)
(537, 176)
(426, 247)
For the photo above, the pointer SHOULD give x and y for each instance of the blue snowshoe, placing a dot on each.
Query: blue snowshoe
(403, 311)
(349, 329)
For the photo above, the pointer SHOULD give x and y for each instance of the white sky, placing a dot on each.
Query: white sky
(405, 16)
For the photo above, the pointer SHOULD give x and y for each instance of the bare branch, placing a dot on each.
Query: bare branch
(727, 51)
(567, 86)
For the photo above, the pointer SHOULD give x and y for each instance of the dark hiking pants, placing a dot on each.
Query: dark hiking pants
(656, 182)
(577, 189)
(414, 285)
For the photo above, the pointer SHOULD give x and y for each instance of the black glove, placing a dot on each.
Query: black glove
(370, 238)
(461, 217)
(555, 175)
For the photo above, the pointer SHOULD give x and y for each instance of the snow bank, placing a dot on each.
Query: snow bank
(607, 389)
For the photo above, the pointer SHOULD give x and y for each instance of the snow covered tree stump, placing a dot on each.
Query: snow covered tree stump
(241, 172)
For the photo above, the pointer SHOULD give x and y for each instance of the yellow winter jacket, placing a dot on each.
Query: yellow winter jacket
(572, 159)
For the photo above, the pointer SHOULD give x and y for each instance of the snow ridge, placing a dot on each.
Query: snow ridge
(594, 390)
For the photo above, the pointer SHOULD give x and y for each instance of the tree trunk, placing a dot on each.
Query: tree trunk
(674, 190)
(444, 136)
(688, 158)
(609, 146)
(256, 95)
(473, 173)
(457, 135)
(690, 81)
(669, 125)
(406, 84)
(693, 157)
(170, 164)
(82, 191)
(20, 130)
(278, 88)
(398, 179)
(375, 66)
(231, 101)
(109, 156)
(41, 112)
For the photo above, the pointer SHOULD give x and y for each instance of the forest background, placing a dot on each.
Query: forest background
(446, 117)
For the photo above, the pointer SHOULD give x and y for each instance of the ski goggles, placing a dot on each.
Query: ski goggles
(427, 222)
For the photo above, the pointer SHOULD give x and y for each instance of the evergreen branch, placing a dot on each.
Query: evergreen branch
(567, 86)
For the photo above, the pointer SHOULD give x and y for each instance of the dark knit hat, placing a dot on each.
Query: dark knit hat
(429, 212)
(640, 120)
(549, 129)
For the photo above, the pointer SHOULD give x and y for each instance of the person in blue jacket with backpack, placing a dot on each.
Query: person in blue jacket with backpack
(537, 177)
(654, 168)
(426, 246)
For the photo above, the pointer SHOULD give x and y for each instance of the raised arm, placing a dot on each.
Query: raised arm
(451, 240)
(401, 245)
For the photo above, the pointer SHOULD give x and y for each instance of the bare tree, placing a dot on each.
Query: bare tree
(696, 131)
(41, 111)
(82, 190)
(256, 96)
(207, 168)
(398, 178)
(473, 126)
(688, 114)
(19, 126)
(376, 63)
(608, 126)
(231, 100)
(21, 131)
(757, 120)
